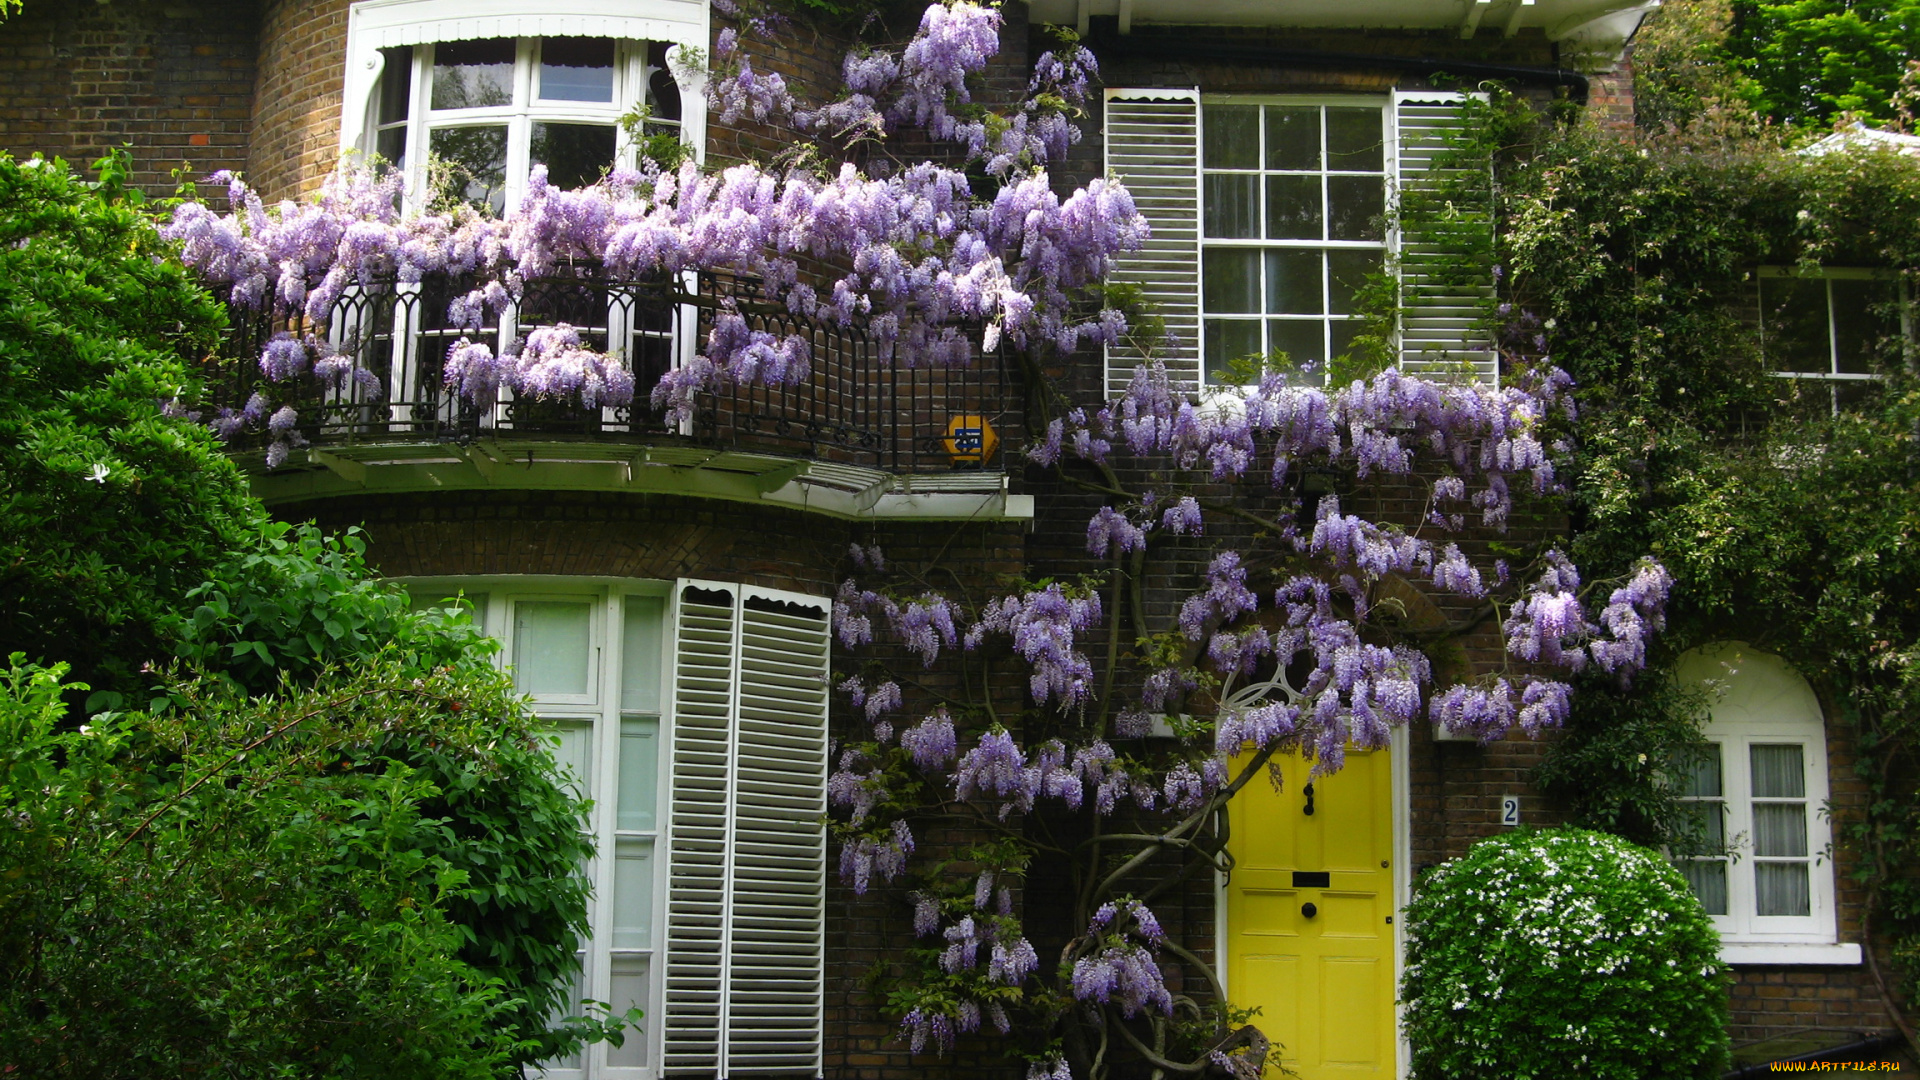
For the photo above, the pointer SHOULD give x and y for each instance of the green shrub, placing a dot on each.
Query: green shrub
(1562, 953)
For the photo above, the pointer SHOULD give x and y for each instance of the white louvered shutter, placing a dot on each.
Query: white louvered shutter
(776, 948)
(746, 845)
(1445, 265)
(1153, 147)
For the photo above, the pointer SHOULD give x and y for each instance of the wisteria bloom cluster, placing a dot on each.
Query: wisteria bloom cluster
(935, 273)
(1276, 650)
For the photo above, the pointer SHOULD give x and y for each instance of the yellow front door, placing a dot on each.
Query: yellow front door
(1309, 916)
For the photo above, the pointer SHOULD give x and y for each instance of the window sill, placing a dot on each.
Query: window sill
(1743, 953)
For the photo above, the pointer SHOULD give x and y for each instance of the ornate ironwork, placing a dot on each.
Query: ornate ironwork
(854, 407)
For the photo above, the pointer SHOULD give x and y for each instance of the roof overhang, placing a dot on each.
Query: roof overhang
(1600, 23)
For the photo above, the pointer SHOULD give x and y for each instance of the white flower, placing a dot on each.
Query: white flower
(97, 474)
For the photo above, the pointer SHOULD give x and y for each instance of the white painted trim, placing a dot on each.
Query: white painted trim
(373, 25)
(1845, 954)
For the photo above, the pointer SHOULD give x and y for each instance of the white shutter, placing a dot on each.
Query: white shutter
(776, 947)
(747, 727)
(1153, 147)
(1442, 298)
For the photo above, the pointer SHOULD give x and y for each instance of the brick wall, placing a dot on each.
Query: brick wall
(303, 56)
(77, 79)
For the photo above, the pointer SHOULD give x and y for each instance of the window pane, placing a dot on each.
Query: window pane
(576, 69)
(640, 655)
(1780, 830)
(639, 773)
(1709, 881)
(396, 85)
(633, 894)
(1293, 282)
(475, 160)
(1710, 819)
(1228, 339)
(1347, 273)
(575, 756)
(1793, 325)
(1293, 137)
(1233, 206)
(1354, 140)
(1232, 280)
(665, 93)
(1781, 889)
(629, 990)
(575, 155)
(1341, 333)
(1293, 207)
(391, 145)
(1233, 136)
(473, 74)
(1779, 772)
(551, 640)
(1863, 316)
(1302, 340)
(1355, 206)
(1705, 779)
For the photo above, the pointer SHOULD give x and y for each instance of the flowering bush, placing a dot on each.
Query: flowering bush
(1562, 953)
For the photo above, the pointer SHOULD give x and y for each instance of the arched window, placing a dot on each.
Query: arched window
(1765, 871)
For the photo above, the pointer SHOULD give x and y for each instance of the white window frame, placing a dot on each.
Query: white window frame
(1757, 699)
(377, 25)
(1325, 319)
(603, 711)
(1833, 378)
(1154, 143)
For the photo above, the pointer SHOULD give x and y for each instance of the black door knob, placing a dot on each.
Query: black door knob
(1307, 909)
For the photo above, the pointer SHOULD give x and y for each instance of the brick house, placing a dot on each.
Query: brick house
(664, 595)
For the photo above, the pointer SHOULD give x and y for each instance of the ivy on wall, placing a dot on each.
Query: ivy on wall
(1784, 523)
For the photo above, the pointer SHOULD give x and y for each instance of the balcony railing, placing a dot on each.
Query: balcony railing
(854, 408)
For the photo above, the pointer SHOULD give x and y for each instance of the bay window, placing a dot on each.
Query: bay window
(468, 120)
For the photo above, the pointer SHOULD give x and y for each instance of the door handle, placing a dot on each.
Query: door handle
(1308, 792)
(1308, 910)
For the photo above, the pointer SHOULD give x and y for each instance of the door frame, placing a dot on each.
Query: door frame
(1400, 788)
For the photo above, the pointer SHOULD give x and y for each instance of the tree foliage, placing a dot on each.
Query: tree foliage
(299, 829)
(114, 511)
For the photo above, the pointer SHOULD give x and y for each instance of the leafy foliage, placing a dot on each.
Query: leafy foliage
(114, 511)
(1813, 59)
(325, 840)
(1562, 953)
(1784, 523)
(249, 887)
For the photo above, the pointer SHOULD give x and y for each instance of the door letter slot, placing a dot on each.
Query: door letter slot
(1312, 879)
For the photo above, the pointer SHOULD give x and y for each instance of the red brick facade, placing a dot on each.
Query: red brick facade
(175, 82)
(232, 84)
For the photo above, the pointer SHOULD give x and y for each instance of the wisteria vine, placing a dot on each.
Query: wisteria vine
(1276, 649)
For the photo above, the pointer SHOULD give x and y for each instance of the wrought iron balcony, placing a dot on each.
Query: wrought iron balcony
(859, 434)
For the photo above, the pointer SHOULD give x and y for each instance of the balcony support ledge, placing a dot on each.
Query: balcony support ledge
(832, 489)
